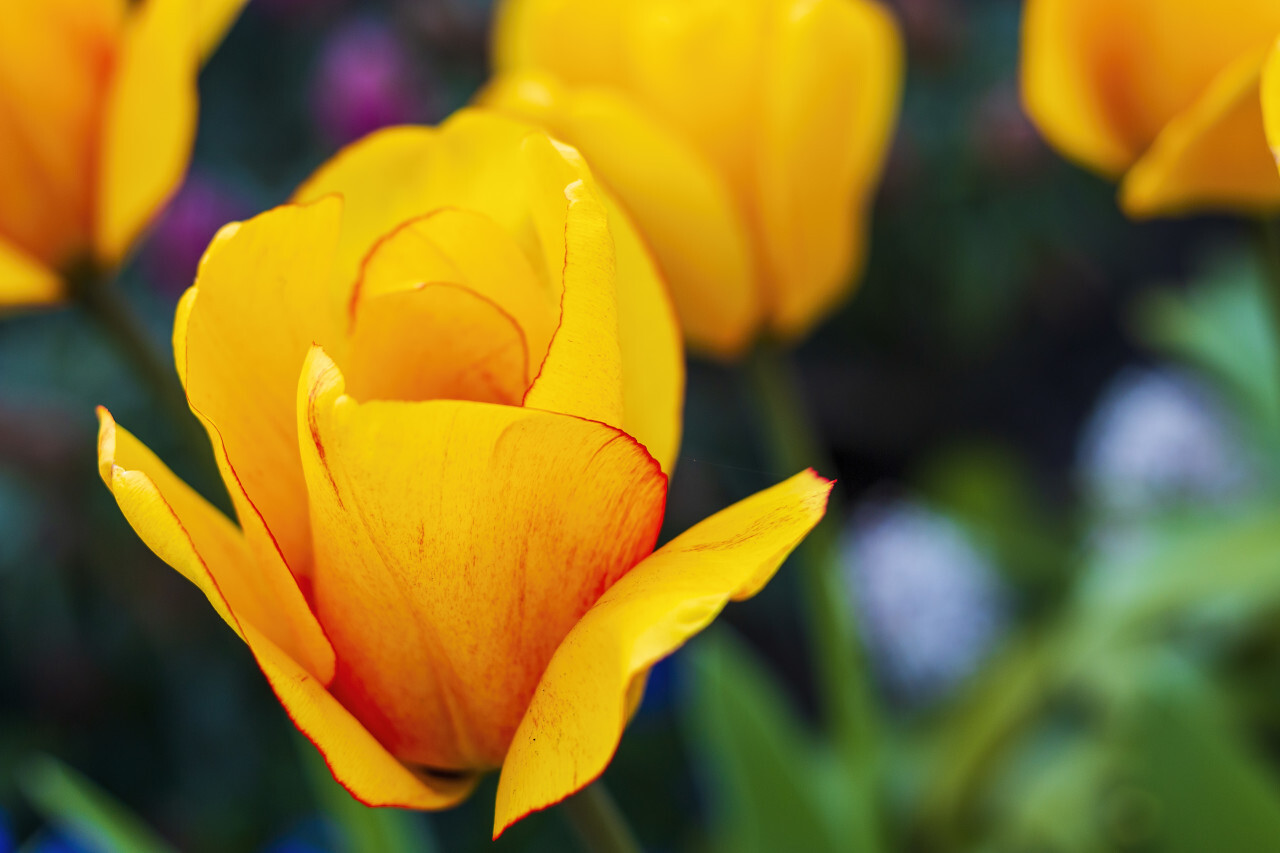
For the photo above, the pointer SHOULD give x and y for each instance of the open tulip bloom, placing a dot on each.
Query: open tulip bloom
(97, 119)
(1164, 93)
(444, 392)
(745, 137)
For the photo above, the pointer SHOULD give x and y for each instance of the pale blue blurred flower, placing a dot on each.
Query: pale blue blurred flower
(1160, 439)
(929, 601)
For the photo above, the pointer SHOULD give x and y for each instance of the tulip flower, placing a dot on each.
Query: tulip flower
(745, 138)
(97, 119)
(444, 391)
(1162, 95)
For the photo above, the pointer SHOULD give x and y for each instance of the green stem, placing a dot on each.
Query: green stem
(95, 292)
(840, 669)
(599, 823)
(1269, 234)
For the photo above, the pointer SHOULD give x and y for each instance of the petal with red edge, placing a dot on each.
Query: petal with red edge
(468, 249)
(574, 723)
(242, 334)
(649, 342)
(456, 545)
(190, 535)
(438, 341)
(582, 373)
(539, 192)
(269, 614)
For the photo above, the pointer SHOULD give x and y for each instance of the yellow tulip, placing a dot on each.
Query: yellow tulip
(97, 118)
(1163, 94)
(444, 390)
(745, 137)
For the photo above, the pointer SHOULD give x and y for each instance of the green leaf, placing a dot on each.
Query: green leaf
(1200, 564)
(79, 808)
(769, 785)
(363, 828)
(1210, 791)
(1221, 325)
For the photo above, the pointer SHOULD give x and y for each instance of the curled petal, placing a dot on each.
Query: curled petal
(268, 612)
(193, 537)
(575, 720)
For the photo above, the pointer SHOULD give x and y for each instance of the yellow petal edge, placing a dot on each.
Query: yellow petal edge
(191, 536)
(572, 727)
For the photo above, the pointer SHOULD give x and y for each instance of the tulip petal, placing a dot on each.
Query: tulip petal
(258, 306)
(473, 162)
(582, 372)
(1060, 86)
(150, 123)
(649, 340)
(24, 280)
(539, 192)
(213, 19)
(687, 214)
(268, 613)
(580, 41)
(456, 545)
(1213, 155)
(193, 537)
(470, 250)
(830, 104)
(574, 723)
(355, 758)
(1102, 78)
(438, 341)
(55, 61)
(1271, 100)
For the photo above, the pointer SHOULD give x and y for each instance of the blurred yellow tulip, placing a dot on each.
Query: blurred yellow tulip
(444, 390)
(745, 137)
(1162, 92)
(97, 117)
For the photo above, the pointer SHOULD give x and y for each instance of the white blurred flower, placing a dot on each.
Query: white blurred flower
(1158, 439)
(929, 602)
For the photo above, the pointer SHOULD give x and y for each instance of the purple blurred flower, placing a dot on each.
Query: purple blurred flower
(365, 80)
(202, 206)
